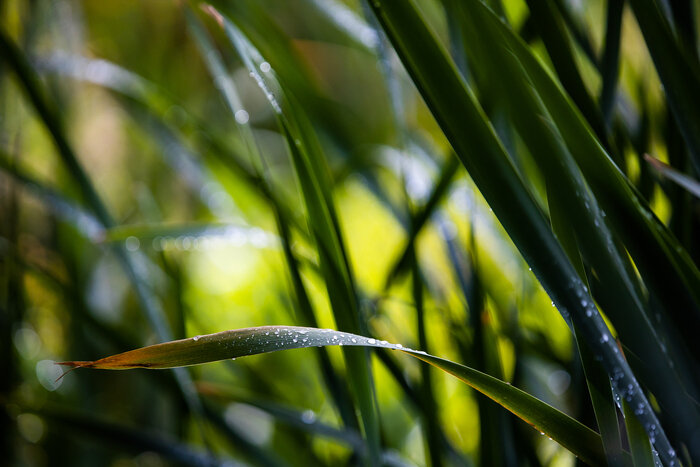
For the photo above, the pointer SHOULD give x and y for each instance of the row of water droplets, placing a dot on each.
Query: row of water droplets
(255, 63)
(234, 236)
(271, 338)
(623, 386)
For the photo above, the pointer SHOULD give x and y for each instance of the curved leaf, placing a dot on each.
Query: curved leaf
(576, 437)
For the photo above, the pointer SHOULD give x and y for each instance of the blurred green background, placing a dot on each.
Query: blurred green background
(152, 130)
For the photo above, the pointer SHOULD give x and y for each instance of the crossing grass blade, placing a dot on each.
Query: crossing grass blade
(580, 440)
(313, 177)
(228, 88)
(421, 218)
(640, 449)
(690, 185)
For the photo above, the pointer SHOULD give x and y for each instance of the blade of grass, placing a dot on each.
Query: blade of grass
(689, 184)
(597, 381)
(454, 107)
(610, 67)
(580, 32)
(431, 422)
(311, 171)
(640, 448)
(558, 43)
(421, 218)
(227, 86)
(225, 345)
(496, 443)
(678, 70)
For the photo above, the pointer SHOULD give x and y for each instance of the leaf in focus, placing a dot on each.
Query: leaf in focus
(576, 437)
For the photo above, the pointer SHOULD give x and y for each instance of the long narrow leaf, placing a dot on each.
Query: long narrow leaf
(455, 109)
(225, 345)
(312, 173)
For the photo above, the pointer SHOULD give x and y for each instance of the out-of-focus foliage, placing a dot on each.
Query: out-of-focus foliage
(171, 169)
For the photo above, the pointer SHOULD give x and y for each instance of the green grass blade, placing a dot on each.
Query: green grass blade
(421, 218)
(678, 70)
(610, 67)
(596, 380)
(640, 449)
(558, 43)
(227, 86)
(312, 173)
(582, 441)
(691, 185)
(431, 422)
(652, 246)
(455, 109)
(633, 221)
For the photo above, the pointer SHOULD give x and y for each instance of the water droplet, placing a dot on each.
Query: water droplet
(242, 116)
(196, 338)
(295, 340)
(371, 341)
(132, 243)
(308, 416)
(399, 346)
(265, 67)
(354, 341)
(604, 338)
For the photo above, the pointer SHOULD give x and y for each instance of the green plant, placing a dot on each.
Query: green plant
(286, 144)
